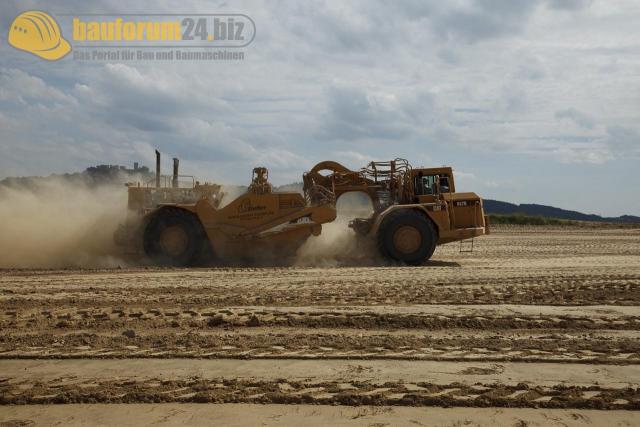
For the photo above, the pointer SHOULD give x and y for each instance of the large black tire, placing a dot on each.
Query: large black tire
(408, 236)
(175, 237)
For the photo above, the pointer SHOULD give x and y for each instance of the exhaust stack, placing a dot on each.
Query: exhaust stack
(174, 182)
(157, 169)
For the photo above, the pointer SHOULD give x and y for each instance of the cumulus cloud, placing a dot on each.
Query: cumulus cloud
(353, 114)
(352, 159)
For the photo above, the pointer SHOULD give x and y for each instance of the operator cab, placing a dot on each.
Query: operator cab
(429, 183)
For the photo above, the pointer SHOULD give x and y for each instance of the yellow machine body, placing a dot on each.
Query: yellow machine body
(260, 223)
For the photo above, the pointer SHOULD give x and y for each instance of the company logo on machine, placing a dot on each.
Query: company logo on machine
(38, 33)
(245, 206)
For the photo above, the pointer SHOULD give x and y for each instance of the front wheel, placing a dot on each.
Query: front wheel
(174, 237)
(407, 236)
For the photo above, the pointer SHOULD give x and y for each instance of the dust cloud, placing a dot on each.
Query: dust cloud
(339, 245)
(61, 223)
(230, 193)
(55, 223)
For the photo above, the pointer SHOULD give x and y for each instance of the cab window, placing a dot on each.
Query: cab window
(426, 185)
(444, 184)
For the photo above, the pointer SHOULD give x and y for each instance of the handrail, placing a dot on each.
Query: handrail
(168, 178)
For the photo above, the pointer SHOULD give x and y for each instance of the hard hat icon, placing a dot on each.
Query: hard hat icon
(38, 33)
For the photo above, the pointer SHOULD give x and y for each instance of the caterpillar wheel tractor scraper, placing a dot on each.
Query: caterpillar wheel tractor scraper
(414, 210)
(179, 225)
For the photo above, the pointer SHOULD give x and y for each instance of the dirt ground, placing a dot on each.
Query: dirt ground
(537, 326)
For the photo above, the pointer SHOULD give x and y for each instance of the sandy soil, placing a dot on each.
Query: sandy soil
(545, 320)
(233, 415)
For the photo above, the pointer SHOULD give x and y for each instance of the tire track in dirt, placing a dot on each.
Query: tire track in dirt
(429, 317)
(322, 393)
(526, 333)
(363, 383)
(610, 347)
(558, 289)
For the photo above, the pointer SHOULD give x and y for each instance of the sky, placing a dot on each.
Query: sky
(530, 101)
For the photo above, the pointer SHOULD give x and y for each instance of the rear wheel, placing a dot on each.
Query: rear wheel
(408, 236)
(175, 237)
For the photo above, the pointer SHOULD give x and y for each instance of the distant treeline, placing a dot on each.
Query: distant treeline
(495, 207)
(522, 219)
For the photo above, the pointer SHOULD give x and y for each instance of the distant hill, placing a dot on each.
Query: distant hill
(93, 176)
(496, 207)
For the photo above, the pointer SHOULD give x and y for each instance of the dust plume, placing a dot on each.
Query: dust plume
(231, 192)
(339, 245)
(58, 223)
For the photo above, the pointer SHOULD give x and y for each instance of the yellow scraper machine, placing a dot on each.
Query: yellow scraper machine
(414, 210)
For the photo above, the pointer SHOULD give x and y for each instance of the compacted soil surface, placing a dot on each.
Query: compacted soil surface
(537, 326)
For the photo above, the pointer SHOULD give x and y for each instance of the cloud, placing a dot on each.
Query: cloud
(472, 82)
(579, 118)
(571, 5)
(19, 86)
(581, 153)
(531, 67)
(352, 158)
(108, 117)
(485, 19)
(623, 140)
(356, 114)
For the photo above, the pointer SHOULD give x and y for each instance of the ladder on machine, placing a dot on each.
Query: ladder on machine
(465, 245)
(466, 248)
